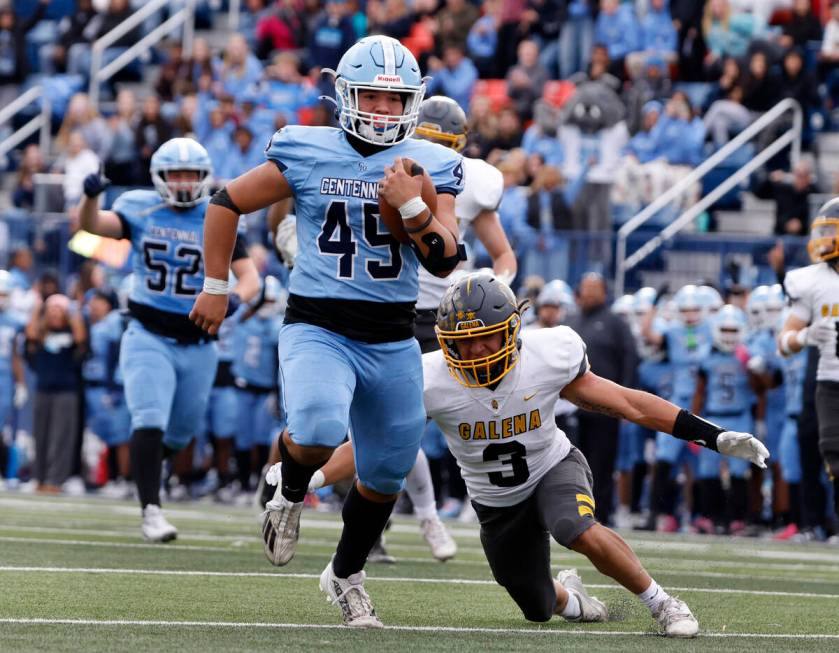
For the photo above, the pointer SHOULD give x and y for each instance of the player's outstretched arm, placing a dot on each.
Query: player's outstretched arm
(488, 229)
(595, 393)
(91, 219)
(254, 190)
(434, 235)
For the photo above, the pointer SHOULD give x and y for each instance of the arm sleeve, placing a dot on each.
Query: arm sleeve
(240, 248)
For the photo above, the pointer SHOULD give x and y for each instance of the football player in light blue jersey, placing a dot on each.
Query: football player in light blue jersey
(255, 363)
(687, 341)
(222, 408)
(724, 393)
(347, 353)
(794, 369)
(107, 413)
(167, 363)
(13, 392)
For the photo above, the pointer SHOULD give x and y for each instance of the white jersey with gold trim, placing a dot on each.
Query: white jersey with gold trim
(814, 293)
(505, 440)
(483, 186)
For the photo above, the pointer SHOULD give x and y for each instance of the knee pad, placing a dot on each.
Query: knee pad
(320, 424)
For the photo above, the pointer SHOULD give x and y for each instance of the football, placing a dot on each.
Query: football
(390, 215)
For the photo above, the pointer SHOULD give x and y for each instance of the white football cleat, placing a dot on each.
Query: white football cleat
(676, 619)
(591, 608)
(280, 530)
(348, 593)
(443, 547)
(155, 527)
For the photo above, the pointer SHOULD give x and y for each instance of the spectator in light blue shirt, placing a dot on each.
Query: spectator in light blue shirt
(454, 76)
(482, 40)
(242, 154)
(657, 37)
(239, 69)
(618, 29)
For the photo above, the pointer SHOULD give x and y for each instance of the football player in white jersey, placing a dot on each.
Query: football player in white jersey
(441, 120)
(813, 320)
(492, 390)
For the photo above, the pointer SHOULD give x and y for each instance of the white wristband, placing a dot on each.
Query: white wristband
(412, 208)
(216, 286)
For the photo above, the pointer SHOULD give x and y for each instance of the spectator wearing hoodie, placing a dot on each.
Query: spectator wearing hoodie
(658, 38)
(653, 84)
(618, 29)
(454, 76)
(540, 137)
(802, 28)
(482, 40)
(332, 34)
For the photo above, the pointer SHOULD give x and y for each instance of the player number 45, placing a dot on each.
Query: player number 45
(336, 239)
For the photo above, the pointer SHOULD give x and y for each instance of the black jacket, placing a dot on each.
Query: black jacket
(609, 344)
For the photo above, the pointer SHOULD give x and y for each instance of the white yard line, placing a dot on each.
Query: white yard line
(416, 629)
(386, 579)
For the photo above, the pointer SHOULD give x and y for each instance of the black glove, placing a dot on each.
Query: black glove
(95, 183)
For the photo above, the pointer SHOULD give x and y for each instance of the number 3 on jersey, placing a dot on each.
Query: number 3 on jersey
(336, 239)
(512, 454)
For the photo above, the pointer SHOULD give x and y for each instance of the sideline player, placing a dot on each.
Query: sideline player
(441, 120)
(167, 363)
(492, 390)
(813, 320)
(347, 352)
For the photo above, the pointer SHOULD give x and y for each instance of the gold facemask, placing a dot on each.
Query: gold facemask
(824, 239)
(486, 371)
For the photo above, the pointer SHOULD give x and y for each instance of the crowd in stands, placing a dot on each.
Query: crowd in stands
(589, 109)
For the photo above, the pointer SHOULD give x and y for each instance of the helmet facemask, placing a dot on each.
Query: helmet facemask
(377, 128)
(824, 240)
(432, 132)
(182, 194)
(488, 370)
(728, 337)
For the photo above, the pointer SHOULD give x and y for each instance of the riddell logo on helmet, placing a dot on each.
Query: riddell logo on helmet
(388, 79)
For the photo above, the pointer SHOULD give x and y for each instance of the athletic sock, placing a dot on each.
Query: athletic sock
(420, 488)
(572, 609)
(653, 596)
(243, 468)
(146, 460)
(364, 521)
(296, 477)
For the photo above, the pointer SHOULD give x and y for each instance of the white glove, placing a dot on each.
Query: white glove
(286, 240)
(21, 395)
(743, 445)
(756, 365)
(821, 332)
(274, 475)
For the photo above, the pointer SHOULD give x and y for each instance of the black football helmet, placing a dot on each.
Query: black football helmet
(824, 233)
(443, 121)
(478, 305)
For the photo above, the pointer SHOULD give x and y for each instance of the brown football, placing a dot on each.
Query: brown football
(390, 215)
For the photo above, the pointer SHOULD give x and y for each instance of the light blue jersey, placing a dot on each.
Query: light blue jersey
(344, 249)
(656, 377)
(687, 346)
(727, 390)
(255, 358)
(795, 368)
(168, 250)
(9, 328)
(101, 366)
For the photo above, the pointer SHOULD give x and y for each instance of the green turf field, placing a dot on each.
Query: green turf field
(75, 575)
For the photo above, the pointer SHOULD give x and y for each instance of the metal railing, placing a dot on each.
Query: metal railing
(791, 137)
(99, 73)
(40, 122)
